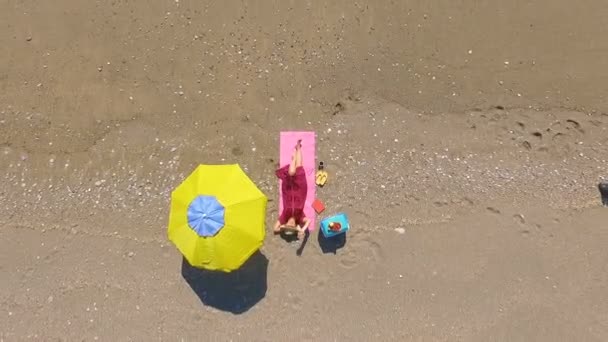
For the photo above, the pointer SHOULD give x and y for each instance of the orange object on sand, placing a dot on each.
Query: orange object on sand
(318, 206)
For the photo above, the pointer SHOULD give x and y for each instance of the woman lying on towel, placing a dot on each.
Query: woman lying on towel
(294, 189)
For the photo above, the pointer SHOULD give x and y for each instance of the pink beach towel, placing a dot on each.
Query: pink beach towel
(288, 141)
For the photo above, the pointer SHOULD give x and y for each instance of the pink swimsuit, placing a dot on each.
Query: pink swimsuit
(294, 189)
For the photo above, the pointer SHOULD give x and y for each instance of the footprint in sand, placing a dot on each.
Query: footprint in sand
(319, 282)
(558, 137)
(295, 302)
(573, 124)
(348, 260)
(367, 248)
(519, 218)
(50, 257)
(493, 210)
(28, 272)
(441, 203)
(538, 135)
(237, 151)
(376, 250)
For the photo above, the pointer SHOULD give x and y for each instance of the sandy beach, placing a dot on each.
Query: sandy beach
(464, 139)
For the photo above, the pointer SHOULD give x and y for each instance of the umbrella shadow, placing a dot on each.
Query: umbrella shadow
(235, 292)
(332, 244)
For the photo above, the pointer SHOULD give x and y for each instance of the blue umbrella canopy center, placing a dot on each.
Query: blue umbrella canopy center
(206, 215)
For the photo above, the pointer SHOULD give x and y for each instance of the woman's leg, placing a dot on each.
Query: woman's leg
(299, 154)
(292, 166)
(296, 159)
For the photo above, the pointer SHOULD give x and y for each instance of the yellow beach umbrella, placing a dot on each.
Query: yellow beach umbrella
(217, 217)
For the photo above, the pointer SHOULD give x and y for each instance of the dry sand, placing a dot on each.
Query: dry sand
(464, 139)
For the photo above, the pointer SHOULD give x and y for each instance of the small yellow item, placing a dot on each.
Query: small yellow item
(321, 177)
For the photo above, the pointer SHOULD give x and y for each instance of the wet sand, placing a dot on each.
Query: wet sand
(464, 140)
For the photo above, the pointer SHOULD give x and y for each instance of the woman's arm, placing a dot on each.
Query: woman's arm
(306, 223)
(277, 226)
(282, 173)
